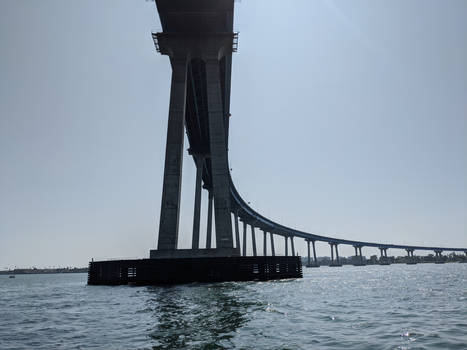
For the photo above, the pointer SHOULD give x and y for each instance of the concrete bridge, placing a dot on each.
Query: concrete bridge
(199, 40)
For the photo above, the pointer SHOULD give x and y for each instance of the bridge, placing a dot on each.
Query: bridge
(199, 40)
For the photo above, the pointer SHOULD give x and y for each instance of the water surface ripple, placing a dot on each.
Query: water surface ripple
(372, 307)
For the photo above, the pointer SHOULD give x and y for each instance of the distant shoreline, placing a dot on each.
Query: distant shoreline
(35, 271)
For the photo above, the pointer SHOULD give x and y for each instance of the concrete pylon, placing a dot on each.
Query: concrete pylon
(273, 251)
(209, 224)
(358, 260)
(199, 160)
(253, 240)
(172, 184)
(315, 260)
(237, 232)
(218, 147)
(244, 238)
(209, 49)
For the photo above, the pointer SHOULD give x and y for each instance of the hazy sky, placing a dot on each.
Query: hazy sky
(348, 119)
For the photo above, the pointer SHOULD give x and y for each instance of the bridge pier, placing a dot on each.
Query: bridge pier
(218, 148)
(171, 190)
(358, 259)
(286, 246)
(244, 237)
(383, 260)
(209, 225)
(334, 263)
(361, 256)
(253, 240)
(292, 245)
(315, 261)
(265, 243)
(199, 161)
(314, 255)
(203, 52)
(237, 232)
(337, 255)
(410, 257)
(273, 252)
(439, 257)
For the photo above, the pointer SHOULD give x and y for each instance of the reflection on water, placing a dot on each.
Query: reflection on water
(196, 316)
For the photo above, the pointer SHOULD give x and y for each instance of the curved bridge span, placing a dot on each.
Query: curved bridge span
(198, 38)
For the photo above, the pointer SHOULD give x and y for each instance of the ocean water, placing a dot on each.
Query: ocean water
(372, 307)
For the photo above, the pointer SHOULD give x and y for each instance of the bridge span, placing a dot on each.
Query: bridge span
(199, 40)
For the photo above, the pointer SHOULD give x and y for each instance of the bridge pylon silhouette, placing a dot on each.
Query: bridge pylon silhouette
(194, 52)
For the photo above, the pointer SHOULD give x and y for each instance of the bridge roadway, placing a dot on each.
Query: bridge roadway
(246, 213)
(182, 18)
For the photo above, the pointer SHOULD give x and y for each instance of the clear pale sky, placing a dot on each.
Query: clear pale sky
(349, 118)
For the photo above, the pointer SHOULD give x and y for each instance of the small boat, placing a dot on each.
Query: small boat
(11, 276)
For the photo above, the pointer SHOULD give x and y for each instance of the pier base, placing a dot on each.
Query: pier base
(312, 265)
(187, 270)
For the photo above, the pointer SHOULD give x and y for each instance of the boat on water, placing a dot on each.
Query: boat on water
(11, 276)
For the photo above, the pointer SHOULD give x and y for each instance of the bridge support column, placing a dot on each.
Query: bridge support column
(383, 260)
(337, 255)
(199, 161)
(291, 243)
(244, 238)
(171, 189)
(253, 240)
(439, 257)
(410, 257)
(334, 263)
(237, 232)
(273, 252)
(358, 257)
(314, 255)
(209, 225)
(265, 243)
(332, 254)
(315, 261)
(219, 164)
(286, 246)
